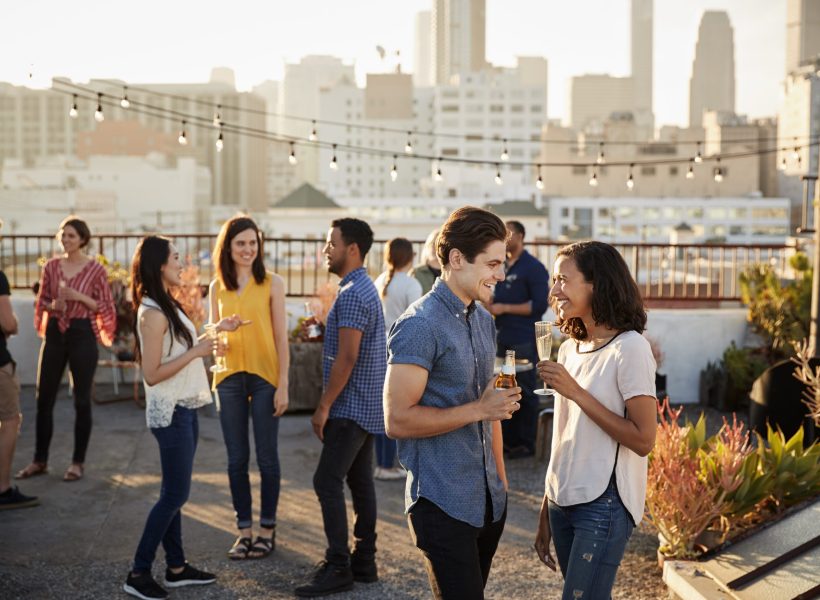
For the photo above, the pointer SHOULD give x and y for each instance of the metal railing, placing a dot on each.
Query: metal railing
(692, 272)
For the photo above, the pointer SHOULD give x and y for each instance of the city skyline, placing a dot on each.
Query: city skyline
(77, 43)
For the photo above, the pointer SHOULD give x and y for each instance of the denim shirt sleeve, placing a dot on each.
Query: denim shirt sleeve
(411, 342)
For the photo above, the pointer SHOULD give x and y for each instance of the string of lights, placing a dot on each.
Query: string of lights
(102, 99)
(314, 122)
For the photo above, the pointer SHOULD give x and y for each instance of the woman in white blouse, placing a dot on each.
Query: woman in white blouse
(605, 419)
(175, 386)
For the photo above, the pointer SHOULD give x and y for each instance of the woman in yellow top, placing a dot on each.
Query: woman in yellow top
(255, 382)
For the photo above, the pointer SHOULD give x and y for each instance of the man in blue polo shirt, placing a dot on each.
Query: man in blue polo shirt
(354, 360)
(441, 404)
(519, 302)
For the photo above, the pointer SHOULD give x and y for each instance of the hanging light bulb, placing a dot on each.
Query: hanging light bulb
(690, 174)
(498, 179)
(593, 181)
(125, 103)
(699, 155)
(630, 181)
(408, 147)
(539, 183)
(796, 151)
(182, 139)
(718, 172)
(505, 153)
(292, 156)
(437, 176)
(98, 114)
(783, 158)
(601, 156)
(218, 116)
(394, 170)
(220, 141)
(313, 135)
(334, 164)
(73, 112)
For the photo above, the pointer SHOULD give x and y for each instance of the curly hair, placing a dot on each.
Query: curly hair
(616, 299)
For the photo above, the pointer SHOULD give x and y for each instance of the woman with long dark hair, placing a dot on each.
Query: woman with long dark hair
(397, 291)
(254, 383)
(175, 386)
(74, 311)
(605, 419)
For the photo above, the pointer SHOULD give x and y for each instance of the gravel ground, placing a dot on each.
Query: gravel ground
(79, 543)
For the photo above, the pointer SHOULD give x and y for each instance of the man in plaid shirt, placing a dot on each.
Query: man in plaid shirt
(354, 361)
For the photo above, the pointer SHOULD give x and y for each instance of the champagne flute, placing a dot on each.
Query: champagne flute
(543, 342)
(213, 334)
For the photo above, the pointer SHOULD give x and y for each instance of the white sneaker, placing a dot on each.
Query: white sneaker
(393, 474)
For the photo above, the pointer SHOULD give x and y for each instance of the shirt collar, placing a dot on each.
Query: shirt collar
(443, 292)
(354, 274)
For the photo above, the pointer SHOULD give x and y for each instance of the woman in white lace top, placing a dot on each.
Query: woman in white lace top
(175, 386)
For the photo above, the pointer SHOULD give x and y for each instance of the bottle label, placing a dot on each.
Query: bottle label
(508, 370)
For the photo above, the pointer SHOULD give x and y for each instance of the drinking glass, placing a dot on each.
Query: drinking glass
(543, 342)
(214, 334)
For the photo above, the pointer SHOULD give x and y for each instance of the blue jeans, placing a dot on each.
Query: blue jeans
(235, 407)
(385, 451)
(590, 539)
(177, 446)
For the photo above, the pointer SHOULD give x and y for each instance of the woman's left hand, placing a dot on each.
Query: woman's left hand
(231, 323)
(558, 378)
(280, 400)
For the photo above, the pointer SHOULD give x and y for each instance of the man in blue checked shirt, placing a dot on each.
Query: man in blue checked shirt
(349, 413)
(440, 403)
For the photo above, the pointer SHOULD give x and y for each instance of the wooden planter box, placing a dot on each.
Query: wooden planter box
(305, 376)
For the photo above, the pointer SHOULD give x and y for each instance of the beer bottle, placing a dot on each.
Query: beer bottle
(506, 379)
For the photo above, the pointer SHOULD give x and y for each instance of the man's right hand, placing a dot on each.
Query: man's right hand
(498, 405)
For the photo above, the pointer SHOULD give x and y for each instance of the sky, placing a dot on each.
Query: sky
(153, 41)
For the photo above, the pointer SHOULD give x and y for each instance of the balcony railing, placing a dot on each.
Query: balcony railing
(691, 273)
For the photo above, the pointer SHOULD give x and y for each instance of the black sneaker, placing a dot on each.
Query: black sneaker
(188, 576)
(327, 579)
(143, 586)
(364, 569)
(14, 498)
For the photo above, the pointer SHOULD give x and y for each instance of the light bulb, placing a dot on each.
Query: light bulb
(220, 142)
(498, 179)
(539, 183)
(593, 181)
(718, 175)
(313, 135)
(796, 153)
(505, 155)
(437, 176)
(601, 156)
(73, 112)
(690, 174)
(182, 139)
(334, 164)
(292, 156)
(394, 173)
(125, 103)
(630, 182)
(699, 155)
(98, 114)
(217, 116)
(408, 147)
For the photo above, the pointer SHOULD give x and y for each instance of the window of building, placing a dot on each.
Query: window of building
(673, 170)
(648, 170)
(496, 108)
(565, 211)
(517, 108)
(536, 109)
(579, 170)
(449, 151)
(449, 108)
(769, 213)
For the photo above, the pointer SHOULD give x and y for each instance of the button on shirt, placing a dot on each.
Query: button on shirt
(527, 280)
(456, 345)
(358, 307)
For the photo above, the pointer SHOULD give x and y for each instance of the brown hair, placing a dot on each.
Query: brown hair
(616, 299)
(80, 226)
(469, 230)
(225, 269)
(398, 253)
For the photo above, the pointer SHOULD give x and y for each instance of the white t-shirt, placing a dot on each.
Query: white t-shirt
(583, 455)
(401, 293)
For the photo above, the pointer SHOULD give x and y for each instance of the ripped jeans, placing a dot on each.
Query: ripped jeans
(590, 539)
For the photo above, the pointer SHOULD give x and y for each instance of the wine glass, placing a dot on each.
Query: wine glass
(543, 342)
(213, 333)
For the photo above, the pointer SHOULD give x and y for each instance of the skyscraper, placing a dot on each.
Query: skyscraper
(642, 58)
(459, 37)
(423, 58)
(712, 86)
(802, 32)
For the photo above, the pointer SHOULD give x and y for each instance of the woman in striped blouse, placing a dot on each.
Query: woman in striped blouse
(74, 311)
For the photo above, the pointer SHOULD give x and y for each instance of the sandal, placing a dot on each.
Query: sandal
(74, 472)
(261, 547)
(34, 469)
(240, 548)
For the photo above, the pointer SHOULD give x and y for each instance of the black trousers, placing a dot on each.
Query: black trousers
(520, 430)
(457, 555)
(77, 347)
(347, 454)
